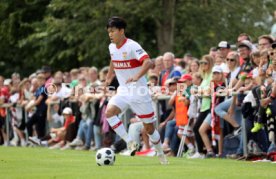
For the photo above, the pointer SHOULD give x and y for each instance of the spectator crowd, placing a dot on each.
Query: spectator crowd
(201, 101)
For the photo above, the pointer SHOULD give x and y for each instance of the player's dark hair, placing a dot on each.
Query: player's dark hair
(116, 22)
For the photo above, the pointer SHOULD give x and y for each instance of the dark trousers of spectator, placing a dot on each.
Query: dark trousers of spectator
(162, 119)
(171, 134)
(199, 121)
(71, 132)
(260, 137)
(39, 120)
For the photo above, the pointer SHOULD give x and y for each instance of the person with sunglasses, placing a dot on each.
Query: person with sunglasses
(226, 110)
(205, 69)
(233, 65)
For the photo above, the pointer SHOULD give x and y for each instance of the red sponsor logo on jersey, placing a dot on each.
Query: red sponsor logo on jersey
(126, 64)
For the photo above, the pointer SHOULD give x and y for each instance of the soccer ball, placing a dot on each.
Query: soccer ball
(105, 156)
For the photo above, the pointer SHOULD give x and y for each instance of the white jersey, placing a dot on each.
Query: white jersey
(127, 61)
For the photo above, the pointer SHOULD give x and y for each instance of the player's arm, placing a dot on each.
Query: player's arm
(110, 74)
(147, 64)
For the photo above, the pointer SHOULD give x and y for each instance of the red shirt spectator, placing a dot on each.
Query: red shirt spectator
(68, 116)
(69, 120)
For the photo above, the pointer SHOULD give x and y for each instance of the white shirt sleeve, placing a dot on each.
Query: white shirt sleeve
(138, 52)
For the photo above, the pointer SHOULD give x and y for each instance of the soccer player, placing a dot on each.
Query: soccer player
(130, 63)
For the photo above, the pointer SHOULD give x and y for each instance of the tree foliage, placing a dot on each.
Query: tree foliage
(71, 33)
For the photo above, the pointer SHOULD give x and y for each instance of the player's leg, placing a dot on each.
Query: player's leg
(115, 106)
(145, 112)
(154, 137)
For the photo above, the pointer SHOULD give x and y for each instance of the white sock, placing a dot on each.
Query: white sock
(117, 125)
(155, 140)
(190, 146)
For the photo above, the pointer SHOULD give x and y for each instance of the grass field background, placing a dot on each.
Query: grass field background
(44, 163)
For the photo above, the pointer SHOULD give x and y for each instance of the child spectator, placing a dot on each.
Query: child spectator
(58, 134)
(213, 122)
(193, 112)
(181, 111)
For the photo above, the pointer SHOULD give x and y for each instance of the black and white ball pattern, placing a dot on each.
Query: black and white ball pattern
(105, 156)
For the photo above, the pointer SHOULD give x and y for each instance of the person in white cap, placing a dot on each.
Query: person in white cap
(245, 49)
(212, 121)
(58, 135)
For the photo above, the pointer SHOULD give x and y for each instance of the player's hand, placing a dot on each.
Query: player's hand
(132, 79)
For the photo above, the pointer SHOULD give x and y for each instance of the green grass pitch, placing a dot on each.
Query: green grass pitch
(39, 163)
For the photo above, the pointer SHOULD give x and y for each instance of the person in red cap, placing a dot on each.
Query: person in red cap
(186, 84)
(184, 78)
(187, 79)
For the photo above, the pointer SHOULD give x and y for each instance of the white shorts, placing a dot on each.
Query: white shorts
(141, 106)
